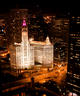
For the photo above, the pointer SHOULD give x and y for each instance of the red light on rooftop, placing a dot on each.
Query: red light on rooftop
(24, 23)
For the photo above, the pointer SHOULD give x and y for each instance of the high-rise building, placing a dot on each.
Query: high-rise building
(58, 30)
(24, 52)
(43, 52)
(14, 25)
(3, 40)
(20, 51)
(73, 74)
(37, 27)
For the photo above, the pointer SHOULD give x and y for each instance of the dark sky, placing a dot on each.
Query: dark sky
(48, 5)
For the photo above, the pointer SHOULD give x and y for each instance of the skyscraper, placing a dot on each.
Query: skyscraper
(24, 51)
(73, 74)
(19, 46)
(14, 25)
(37, 27)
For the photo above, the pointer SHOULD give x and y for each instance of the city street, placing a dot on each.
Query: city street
(56, 74)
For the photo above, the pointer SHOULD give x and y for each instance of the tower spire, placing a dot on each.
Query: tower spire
(48, 41)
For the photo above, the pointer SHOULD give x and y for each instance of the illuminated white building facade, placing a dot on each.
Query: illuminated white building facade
(43, 52)
(22, 55)
(28, 52)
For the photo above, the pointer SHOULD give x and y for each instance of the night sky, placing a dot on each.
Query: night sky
(47, 5)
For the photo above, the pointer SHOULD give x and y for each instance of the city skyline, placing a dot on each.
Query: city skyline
(39, 47)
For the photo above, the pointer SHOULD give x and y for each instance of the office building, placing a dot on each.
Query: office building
(73, 74)
(25, 51)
